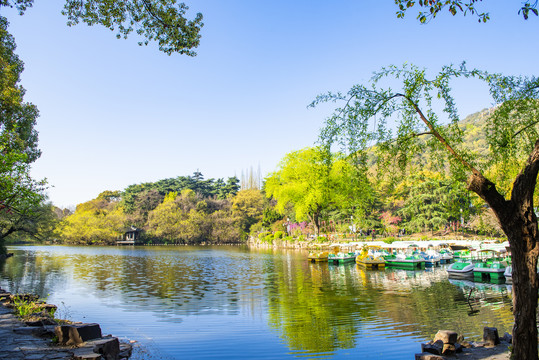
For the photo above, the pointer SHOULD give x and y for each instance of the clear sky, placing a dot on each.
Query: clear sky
(115, 114)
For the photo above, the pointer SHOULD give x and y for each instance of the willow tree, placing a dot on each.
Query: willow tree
(312, 181)
(406, 122)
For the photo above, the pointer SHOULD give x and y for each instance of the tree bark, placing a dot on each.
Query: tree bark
(519, 222)
(315, 219)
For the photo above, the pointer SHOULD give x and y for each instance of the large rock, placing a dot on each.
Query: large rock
(449, 349)
(433, 348)
(427, 356)
(446, 336)
(125, 350)
(77, 333)
(108, 347)
(507, 338)
(490, 336)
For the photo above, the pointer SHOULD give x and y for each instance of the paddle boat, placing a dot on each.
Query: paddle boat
(463, 254)
(372, 258)
(341, 254)
(461, 269)
(318, 256)
(490, 267)
(508, 274)
(432, 257)
(405, 261)
(446, 255)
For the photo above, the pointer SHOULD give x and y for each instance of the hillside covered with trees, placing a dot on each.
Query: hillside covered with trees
(310, 193)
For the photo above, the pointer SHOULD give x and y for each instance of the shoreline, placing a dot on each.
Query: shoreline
(43, 337)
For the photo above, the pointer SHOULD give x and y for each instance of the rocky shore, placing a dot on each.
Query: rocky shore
(448, 345)
(40, 336)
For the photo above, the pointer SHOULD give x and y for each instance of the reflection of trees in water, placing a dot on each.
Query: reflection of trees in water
(189, 281)
(183, 282)
(322, 308)
(30, 272)
(315, 308)
(427, 298)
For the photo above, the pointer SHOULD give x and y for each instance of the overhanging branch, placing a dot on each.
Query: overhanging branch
(439, 136)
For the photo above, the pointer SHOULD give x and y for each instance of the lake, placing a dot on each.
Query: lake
(232, 302)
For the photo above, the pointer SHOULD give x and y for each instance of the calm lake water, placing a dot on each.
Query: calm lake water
(237, 303)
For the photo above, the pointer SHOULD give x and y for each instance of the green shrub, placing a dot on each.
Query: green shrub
(321, 239)
(256, 228)
(269, 238)
(263, 235)
(390, 240)
(25, 305)
(278, 235)
(270, 216)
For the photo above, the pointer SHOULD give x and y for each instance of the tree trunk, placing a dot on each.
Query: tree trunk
(315, 219)
(519, 222)
(525, 297)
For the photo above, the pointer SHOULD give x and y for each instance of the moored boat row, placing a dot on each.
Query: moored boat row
(489, 264)
(403, 255)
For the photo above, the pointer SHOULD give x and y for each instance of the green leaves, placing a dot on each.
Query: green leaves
(402, 120)
(429, 9)
(394, 120)
(525, 10)
(313, 181)
(20, 5)
(20, 195)
(160, 21)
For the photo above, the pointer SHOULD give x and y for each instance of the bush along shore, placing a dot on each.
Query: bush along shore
(29, 330)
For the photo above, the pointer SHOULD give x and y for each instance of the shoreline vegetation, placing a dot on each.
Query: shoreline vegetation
(30, 330)
(293, 202)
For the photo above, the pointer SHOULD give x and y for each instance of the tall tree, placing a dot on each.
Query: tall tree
(432, 202)
(312, 180)
(20, 195)
(514, 133)
(162, 21)
(248, 206)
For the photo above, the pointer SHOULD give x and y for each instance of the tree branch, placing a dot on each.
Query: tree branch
(524, 185)
(148, 7)
(438, 136)
(524, 128)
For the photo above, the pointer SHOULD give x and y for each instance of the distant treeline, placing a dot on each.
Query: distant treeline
(325, 193)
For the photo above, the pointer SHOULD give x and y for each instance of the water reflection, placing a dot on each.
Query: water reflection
(270, 304)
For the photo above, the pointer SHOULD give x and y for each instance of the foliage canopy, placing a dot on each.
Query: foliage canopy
(160, 21)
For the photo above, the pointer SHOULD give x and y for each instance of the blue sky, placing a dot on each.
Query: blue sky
(115, 114)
